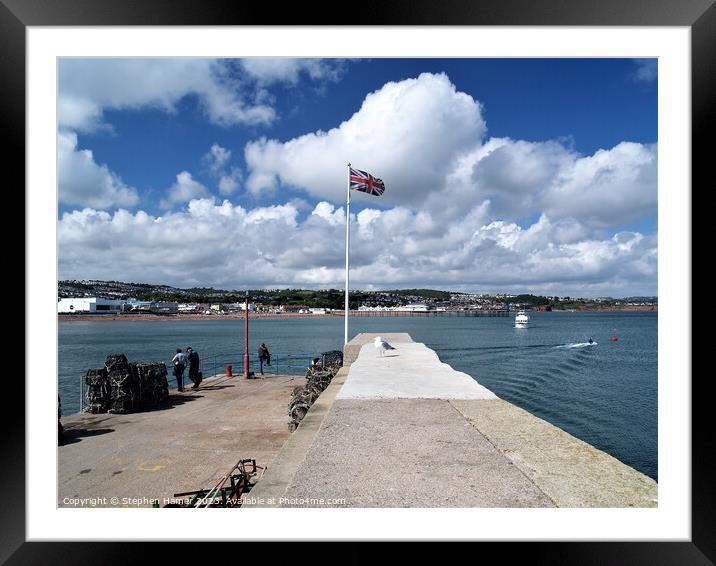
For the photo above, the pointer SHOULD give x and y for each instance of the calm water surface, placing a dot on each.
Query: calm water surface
(604, 394)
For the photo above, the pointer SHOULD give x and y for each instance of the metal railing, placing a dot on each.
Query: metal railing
(281, 363)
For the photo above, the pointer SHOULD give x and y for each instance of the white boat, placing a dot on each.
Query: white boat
(522, 320)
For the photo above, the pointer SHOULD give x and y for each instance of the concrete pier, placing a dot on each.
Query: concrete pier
(186, 445)
(406, 430)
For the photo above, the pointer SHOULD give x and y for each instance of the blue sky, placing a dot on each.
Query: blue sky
(543, 167)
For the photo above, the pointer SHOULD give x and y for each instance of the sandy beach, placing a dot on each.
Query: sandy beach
(130, 317)
(239, 315)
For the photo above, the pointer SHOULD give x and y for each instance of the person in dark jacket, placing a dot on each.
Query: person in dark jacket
(194, 373)
(264, 356)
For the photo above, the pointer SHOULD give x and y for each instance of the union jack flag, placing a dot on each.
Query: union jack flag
(366, 183)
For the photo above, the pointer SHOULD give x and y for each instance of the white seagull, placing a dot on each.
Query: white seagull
(382, 345)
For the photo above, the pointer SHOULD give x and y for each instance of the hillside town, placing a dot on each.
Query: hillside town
(119, 298)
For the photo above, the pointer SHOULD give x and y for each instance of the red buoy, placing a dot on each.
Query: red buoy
(614, 338)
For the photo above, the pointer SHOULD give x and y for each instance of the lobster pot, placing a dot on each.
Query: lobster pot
(318, 378)
(123, 393)
(332, 360)
(116, 362)
(97, 395)
(301, 400)
(123, 386)
(151, 383)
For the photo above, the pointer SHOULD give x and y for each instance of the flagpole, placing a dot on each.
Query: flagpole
(348, 245)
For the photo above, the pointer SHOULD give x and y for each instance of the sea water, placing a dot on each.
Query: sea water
(603, 393)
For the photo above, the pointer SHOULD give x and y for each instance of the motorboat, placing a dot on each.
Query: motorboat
(522, 320)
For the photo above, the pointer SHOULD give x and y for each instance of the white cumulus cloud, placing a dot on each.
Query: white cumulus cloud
(269, 70)
(610, 187)
(460, 211)
(519, 179)
(88, 87)
(84, 182)
(184, 189)
(234, 247)
(217, 161)
(425, 139)
(409, 133)
(230, 182)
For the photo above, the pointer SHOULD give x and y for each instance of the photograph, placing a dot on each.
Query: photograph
(423, 276)
(357, 282)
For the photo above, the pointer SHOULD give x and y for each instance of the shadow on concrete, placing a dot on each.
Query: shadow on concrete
(74, 435)
(268, 375)
(173, 401)
(210, 388)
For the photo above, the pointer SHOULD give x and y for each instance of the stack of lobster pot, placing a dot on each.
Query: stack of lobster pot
(151, 383)
(318, 378)
(123, 393)
(301, 400)
(332, 360)
(97, 395)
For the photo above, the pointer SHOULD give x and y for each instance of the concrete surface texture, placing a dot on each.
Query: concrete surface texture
(571, 472)
(274, 481)
(188, 445)
(411, 371)
(404, 431)
(407, 453)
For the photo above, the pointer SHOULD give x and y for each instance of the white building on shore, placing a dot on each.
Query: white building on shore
(92, 305)
(223, 308)
(89, 305)
(414, 308)
(153, 307)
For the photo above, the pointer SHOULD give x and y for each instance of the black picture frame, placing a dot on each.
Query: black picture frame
(699, 15)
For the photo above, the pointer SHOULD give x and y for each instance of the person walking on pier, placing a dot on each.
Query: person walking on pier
(264, 356)
(194, 374)
(180, 362)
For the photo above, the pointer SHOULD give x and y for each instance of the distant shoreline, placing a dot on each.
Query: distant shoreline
(634, 308)
(133, 317)
(254, 316)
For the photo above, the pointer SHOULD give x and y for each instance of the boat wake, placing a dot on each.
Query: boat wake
(577, 345)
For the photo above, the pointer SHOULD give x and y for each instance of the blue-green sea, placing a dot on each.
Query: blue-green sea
(604, 394)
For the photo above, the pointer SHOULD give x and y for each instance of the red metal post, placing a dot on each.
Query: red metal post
(246, 335)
